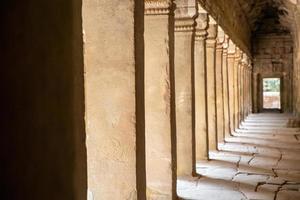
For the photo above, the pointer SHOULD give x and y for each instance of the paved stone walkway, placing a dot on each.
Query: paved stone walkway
(261, 162)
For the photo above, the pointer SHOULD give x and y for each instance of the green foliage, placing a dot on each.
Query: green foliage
(271, 84)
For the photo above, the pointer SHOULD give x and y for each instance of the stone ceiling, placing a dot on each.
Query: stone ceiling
(244, 19)
(269, 16)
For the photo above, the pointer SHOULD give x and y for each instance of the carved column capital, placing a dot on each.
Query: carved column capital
(185, 15)
(184, 24)
(238, 55)
(231, 49)
(244, 60)
(212, 33)
(220, 39)
(226, 45)
(250, 67)
(201, 26)
(212, 29)
(157, 7)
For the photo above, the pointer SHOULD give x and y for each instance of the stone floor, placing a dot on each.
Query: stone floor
(260, 162)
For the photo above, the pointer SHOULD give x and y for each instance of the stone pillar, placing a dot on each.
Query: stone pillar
(248, 89)
(244, 88)
(200, 87)
(236, 89)
(219, 85)
(114, 99)
(230, 63)
(285, 92)
(159, 70)
(184, 45)
(244, 103)
(251, 87)
(242, 93)
(226, 87)
(255, 92)
(211, 83)
(259, 93)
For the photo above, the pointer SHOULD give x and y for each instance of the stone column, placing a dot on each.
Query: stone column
(159, 70)
(225, 87)
(245, 93)
(242, 92)
(255, 92)
(184, 45)
(236, 89)
(211, 83)
(244, 89)
(114, 99)
(285, 92)
(259, 93)
(200, 87)
(250, 86)
(219, 85)
(230, 61)
(247, 103)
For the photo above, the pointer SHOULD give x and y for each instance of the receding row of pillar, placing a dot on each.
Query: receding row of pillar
(197, 91)
(192, 92)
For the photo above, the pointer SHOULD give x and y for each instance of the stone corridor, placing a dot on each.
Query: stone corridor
(150, 100)
(261, 161)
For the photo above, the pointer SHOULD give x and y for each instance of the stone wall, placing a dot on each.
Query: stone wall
(296, 74)
(273, 57)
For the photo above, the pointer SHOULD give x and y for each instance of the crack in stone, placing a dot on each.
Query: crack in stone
(274, 172)
(238, 163)
(243, 193)
(253, 156)
(278, 189)
(280, 158)
(259, 184)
